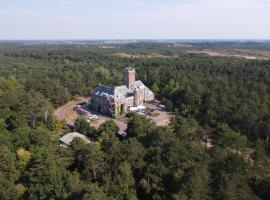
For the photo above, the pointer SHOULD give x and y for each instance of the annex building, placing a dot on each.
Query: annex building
(117, 100)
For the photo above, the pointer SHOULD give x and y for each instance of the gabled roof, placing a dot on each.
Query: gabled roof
(102, 90)
(68, 138)
(139, 85)
(113, 92)
(118, 91)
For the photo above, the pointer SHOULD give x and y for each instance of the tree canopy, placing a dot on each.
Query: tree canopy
(216, 147)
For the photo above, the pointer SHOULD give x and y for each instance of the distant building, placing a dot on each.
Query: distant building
(68, 138)
(117, 100)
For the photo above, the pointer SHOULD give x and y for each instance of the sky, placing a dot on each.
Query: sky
(134, 19)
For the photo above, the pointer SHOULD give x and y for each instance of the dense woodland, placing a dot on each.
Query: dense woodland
(222, 101)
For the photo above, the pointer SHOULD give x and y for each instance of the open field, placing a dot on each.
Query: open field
(249, 54)
(150, 55)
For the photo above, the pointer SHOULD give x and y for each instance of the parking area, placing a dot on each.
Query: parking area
(157, 113)
(97, 119)
(70, 112)
(66, 112)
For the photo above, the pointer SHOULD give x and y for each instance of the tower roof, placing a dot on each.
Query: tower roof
(129, 68)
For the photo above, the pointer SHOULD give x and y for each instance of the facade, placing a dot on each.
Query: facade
(117, 100)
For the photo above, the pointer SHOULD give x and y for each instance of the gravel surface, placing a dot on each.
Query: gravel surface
(66, 113)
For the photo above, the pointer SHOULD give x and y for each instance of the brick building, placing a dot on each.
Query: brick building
(117, 100)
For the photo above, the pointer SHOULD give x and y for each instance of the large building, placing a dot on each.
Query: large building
(117, 100)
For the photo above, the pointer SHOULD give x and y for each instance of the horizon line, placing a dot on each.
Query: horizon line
(141, 39)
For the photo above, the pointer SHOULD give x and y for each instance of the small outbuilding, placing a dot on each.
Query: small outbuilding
(68, 138)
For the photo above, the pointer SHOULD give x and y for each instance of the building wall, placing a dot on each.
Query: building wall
(118, 105)
(148, 95)
(130, 101)
(129, 77)
(100, 104)
(123, 99)
(138, 97)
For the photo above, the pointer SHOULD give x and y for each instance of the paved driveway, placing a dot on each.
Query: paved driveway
(62, 113)
(66, 113)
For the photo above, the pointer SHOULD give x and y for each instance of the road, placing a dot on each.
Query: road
(61, 112)
(66, 113)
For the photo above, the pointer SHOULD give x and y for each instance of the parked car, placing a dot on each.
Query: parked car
(161, 106)
(123, 134)
(83, 113)
(94, 117)
(79, 110)
(76, 106)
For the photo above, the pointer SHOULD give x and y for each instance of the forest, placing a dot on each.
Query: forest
(224, 101)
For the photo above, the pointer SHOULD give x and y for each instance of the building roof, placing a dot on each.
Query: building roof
(111, 92)
(139, 85)
(118, 91)
(102, 90)
(129, 68)
(68, 138)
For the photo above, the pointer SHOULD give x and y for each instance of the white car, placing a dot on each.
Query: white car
(77, 106)
(123, 134)
(93, 117)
